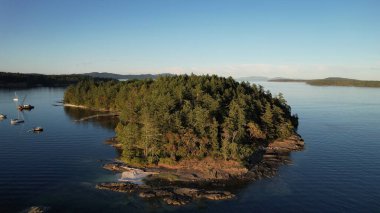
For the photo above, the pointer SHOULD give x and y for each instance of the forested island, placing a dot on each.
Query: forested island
(23, 80)
(180, 117)
(332, 81)
(198, 128)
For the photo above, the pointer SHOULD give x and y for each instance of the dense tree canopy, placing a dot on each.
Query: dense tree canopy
(179, 117)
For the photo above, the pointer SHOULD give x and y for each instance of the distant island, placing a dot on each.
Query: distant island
(125, 77)
(23, 80)
(191, 131)
(332, 81)
(28, 80)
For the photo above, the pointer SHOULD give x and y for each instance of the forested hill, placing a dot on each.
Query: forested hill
(333, 81)
(181, 117)
(22, 80)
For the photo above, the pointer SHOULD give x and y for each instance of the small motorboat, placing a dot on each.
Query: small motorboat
(2, 116)
(37, 129)
(16, 121)
(25, 107)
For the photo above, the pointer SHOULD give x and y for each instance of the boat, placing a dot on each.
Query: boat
(23, 106)
(2, 116)
(38, 129)
(15, 98)
(16, 121)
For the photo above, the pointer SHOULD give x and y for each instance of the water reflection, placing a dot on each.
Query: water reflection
(78, 113)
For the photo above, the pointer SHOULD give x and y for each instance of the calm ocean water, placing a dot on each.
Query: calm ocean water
(339, 171)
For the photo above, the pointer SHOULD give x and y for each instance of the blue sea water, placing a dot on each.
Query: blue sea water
(339, 170)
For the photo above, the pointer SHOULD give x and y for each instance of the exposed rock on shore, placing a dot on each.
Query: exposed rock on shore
(293, 143)
(118, 187)
(273, 156)
(36, 209)
(171, 195)
(189, 170)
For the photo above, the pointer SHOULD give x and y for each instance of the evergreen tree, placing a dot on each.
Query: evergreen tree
(214, 138)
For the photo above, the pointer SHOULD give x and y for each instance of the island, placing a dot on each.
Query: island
(332, 81)
(24, 80)
(187, 137)
(29, 80)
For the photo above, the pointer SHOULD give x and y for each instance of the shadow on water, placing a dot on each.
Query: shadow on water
(78, 113)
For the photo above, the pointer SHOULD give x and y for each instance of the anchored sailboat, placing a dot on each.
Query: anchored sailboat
(17, 120)
(25, 106)
(15, 98)
(2, 116)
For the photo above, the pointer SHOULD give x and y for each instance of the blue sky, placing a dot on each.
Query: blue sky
(289, 38)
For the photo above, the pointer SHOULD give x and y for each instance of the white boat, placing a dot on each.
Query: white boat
(16, 121)
(2, 116)
(15, 98)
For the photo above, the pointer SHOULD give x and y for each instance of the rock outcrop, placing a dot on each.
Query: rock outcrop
(36, 209)
(171, 195)
(118, 186)
(291, 144)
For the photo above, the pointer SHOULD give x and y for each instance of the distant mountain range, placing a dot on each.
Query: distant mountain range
(129, 77)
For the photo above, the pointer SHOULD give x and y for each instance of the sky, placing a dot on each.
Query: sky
(272, 38)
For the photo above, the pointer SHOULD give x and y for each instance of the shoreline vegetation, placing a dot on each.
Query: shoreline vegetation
(332, 81)
(189, 137)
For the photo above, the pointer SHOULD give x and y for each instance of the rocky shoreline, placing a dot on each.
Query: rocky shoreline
(192, 179)
(86, 107)
(172, 195)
